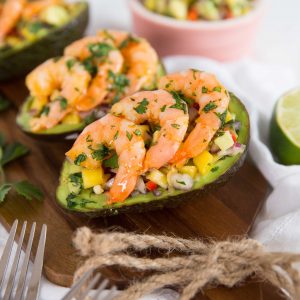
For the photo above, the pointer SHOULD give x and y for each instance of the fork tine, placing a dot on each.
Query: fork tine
(13, 270)
(102, 286)
(22, 277)
(7, 252)
(90, 286)
(77, 286)
(34, 283)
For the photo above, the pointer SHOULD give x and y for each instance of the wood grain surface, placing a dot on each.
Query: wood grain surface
(225, 212)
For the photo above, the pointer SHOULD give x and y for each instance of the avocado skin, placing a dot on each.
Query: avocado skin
(173, 201)
(19, 62)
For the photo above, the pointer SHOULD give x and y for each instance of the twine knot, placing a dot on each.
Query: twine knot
(193, 265)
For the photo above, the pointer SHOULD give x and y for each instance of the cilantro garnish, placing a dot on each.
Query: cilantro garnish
(116, 135)
(209, 106)
(111, 162)
(137, 132)
(100, 49)
(181, 182)
(119, 83)
(76, 178)
(142, 106)
(70, 63)
(101, 152)
(63, 102)
(222, 117)
(217, 89)
(35, 27)
(177, 126)
(204, 90)
(128, 40)
(90, 66)
(179, 102)
(129, 135)
(45, 110)
(214, 169)
(163, 108)
(80, 158)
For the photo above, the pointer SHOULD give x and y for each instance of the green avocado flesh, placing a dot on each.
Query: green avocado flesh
(21, 59)
(96, 205)
(24, 116)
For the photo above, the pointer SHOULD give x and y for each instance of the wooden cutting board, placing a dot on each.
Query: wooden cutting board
(227, 211)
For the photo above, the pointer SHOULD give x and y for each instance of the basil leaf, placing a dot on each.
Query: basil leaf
(28, 190)
(4, 189)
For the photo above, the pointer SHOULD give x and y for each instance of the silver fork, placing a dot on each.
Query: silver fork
(81, 289)
(19, 284)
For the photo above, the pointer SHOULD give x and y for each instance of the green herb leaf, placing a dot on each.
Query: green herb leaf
(63, 102)
(71, 203)
(12, 152)
(209, 106)
(177, 126)
(101, 152)
(4, 103)
(76, 178)
(181, 182)
(45, 110)
(214, 169)
(70, 63)
(222, 117)
(163, 108)
(116, 135)
(35, 27)
(217, 89)
(90, 66)
(28, 190)
(119, 83)
(179, 102)
(128, 40)
(129, 135)
(4, 189)
(137, 132)
(204, 90)
(100, 49)
(142, 106)
(111, 162)
(80, 158)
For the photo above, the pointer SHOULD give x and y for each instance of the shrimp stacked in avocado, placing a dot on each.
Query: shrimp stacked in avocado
(155, 144)
(94, 73)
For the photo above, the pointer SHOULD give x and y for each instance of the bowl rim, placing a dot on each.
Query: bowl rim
(137, 7)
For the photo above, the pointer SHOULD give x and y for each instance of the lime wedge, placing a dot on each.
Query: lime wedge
(285, 129)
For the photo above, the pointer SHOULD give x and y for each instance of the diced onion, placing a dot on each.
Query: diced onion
(98, 190)
(182, 181)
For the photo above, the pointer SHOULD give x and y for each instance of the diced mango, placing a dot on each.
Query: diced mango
(37, 105)
(92, 177)
(224, 141)
(158, 177)
(203, 162)
(189, 170)
(72, 118)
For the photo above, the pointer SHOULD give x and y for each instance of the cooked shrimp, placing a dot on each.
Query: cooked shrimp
(54, 78)
(160, 108)
(140, 58)
(109, 59)
(113, 133)
(213, 100)
(34, 8)
(10, 14)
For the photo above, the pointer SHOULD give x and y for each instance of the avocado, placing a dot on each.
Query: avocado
(19, 60)
(94, 205)
(63, 130)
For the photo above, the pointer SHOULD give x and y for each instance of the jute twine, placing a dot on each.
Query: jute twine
(196, 264)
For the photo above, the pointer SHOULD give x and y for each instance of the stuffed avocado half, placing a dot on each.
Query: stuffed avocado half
(68, 92)
(88, 191)
(41, 30)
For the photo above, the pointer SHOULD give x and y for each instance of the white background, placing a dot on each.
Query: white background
(278, 41)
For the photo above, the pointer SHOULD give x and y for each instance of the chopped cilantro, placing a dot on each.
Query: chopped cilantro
(76, 178)
(217, 89)
(45, 110)
(142, 106)
(111, 162)
(181, 182)
(179, 102)
(71, 203)
(209, 106)
(62, 101)
(129, 135)
(137, 132)
(90, 66)
(214, 169)
(222, 117)
(119, 83)
(70, 63)
(35, 27)
(101, 152)
(128, 40)
(116, 135)
(80, 158)
(100, 49)
(88, 139)
(177, 126)
(163, 108)
(204, 90)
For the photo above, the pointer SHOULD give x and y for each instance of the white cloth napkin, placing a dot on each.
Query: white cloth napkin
(259, 86)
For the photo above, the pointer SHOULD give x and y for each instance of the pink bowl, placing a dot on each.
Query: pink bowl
(222, 40)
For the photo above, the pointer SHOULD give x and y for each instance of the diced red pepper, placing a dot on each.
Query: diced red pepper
(151, 186)
(234, 137)
(192, 15)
